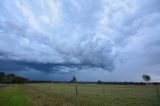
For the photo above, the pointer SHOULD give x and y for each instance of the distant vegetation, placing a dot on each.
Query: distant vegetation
(146, 78)
(12, 78)
(73, 80)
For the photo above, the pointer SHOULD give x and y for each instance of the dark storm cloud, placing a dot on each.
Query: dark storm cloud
(61, 36)
(11, 65)
(20, 45)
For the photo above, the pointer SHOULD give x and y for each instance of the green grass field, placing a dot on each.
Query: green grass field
(89, 95)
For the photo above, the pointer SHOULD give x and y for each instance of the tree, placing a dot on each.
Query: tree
(146, 78)
(12, 78)
(18, 79)
(2, 75)
(99, 82)
(9, 78)
(73, 80)
(102, 85)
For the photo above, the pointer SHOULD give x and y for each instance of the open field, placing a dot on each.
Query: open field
(88, 95)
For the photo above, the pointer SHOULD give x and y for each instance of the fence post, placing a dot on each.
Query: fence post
(157, 91)
(76, 89)
(103, 90)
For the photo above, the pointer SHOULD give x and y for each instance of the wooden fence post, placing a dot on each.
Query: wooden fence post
(157, 91)
(76, 89)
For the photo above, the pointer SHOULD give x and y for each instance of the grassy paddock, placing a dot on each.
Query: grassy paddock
(94, 95)
(13, 95)
(89, 95)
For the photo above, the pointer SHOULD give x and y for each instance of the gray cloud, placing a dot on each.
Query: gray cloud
(19, 45)
(117, 35)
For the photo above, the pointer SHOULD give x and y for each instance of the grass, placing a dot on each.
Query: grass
(89, 95)
(13, 96)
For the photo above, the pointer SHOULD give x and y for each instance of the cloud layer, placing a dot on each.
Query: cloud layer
(59, 36)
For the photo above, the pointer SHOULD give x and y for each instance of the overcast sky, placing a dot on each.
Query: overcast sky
(108, 40)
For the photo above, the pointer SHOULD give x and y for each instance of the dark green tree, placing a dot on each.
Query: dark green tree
(99, 82)
(9, 78)
(2, 75)
(73, 80)
(12, 78)
(146, 78)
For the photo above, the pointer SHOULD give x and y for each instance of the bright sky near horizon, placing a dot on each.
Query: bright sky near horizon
(109, 40)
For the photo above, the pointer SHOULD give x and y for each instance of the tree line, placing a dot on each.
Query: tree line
(12, 78)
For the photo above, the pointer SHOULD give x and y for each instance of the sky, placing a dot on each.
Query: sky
(108, 40)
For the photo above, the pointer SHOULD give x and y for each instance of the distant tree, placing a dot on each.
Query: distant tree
(12, 78)
(146, 78)
(73, 80)
(18, 79)
(9, 78)
(2, 75)
(99, 82)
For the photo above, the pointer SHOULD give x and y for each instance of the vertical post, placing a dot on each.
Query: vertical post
(76, 89)
(157, 91)
(74, 80)
(50, 88)
(103, 90)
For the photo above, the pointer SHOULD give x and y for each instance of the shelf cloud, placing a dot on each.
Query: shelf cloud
(59, 36)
